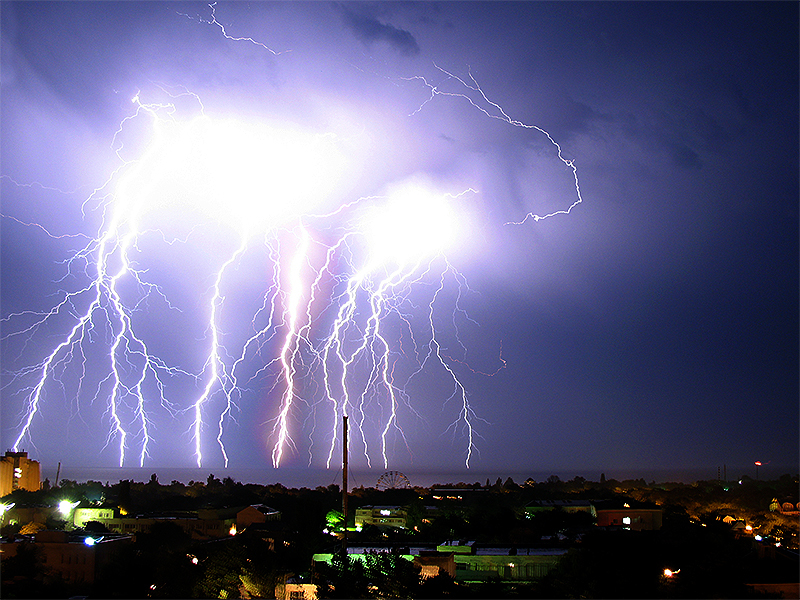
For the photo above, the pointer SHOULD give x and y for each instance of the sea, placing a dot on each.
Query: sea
(311, 477)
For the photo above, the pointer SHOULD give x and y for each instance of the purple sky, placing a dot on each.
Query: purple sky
(654, 325)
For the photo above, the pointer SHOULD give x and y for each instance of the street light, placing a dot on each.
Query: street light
(3, 508)
(65, 507)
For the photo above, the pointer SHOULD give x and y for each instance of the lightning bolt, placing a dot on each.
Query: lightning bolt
(213, 21)
(335, 330)
(495, 111)
(291, 346)
(104, 308)
(215, 365)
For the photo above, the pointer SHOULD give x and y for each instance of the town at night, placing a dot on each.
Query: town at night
(399, 299)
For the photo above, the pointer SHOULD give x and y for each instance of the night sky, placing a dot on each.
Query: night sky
(650, 323)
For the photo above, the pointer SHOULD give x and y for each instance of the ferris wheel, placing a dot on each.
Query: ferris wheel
(393, 480)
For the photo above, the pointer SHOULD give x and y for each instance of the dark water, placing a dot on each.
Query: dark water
(314, 477)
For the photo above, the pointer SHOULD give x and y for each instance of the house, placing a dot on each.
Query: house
(255, 513)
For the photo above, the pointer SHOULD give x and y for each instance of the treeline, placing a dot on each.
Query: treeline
(747, 496)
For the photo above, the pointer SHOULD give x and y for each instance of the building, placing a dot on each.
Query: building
(786, 507)
(18, 472)
(457, 493)
(475, 564)
(204, 524)
(75, 558)
(295, 588)
(21, 515)
(636, 516)
(625, 514)
(255, 513)
(432, 562)
(569, 506)
(468, 563)
(381, 516)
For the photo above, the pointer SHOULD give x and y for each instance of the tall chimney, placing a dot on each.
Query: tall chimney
(344, 486)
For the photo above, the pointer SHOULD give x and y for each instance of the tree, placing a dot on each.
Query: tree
(392, 575)
(343, 577)
(95, 527)
(379, 575)
(334, 520)
(32, 528)
(440, 586)
(124, 496)
(221, 572)
(415, 512)
(156, 566)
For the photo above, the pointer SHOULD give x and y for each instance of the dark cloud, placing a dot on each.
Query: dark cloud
(368, 29)
(685, 157)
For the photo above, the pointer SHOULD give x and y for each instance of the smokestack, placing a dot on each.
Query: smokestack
(344, 486)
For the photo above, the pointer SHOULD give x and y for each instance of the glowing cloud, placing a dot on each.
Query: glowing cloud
(248, 176)
(414, 223)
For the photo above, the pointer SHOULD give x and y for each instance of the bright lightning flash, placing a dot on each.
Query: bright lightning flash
(403, 242)
(333, 327)
(247, 179)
